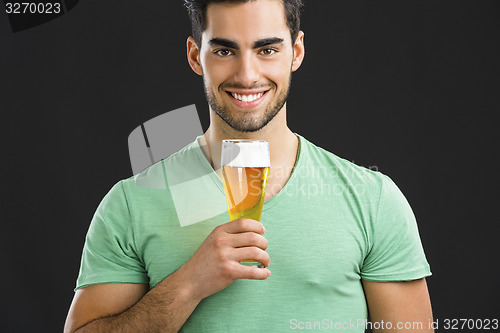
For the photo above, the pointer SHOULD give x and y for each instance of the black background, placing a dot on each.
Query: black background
(410, 87)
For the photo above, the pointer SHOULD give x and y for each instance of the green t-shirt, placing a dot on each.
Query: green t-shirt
(332, 224)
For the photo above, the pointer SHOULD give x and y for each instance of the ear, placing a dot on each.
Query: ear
(299, 51)
(193, 56)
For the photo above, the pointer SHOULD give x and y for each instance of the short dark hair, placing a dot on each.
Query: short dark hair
(197, 10)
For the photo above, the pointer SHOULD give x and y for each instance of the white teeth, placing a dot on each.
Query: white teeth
(247, 98)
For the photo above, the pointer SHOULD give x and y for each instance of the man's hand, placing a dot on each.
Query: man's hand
(216, 263)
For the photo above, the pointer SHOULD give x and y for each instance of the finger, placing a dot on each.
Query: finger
(246, 239)
(244, 225)
(252, 273)
(251, 253)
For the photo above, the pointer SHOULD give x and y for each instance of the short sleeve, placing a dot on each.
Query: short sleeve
(395, 250)
(109, 254)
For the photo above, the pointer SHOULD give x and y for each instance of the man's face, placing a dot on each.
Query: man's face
(246, 58)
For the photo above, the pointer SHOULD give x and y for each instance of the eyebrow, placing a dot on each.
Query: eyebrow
(233, 45)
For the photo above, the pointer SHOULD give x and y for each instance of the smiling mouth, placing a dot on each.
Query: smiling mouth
(247, 100)
(247, 97)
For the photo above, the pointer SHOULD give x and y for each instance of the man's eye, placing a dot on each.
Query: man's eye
(223, 52)
(268, 51)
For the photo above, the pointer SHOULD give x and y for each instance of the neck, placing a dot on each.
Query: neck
(283, 144)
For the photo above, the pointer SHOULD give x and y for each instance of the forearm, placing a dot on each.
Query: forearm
(164, 308)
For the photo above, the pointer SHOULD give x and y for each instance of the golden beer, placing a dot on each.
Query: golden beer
(245, 188)
(245, 170)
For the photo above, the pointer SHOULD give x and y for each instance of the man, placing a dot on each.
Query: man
(343, 240)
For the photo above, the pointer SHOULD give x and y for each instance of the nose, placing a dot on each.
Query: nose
(248, 71)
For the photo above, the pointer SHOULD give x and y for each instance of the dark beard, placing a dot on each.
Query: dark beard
(248, 124)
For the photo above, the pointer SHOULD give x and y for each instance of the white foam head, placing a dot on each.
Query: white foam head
(245, 153)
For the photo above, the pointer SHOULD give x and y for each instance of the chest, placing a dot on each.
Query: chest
(315, 258)
(310, 242)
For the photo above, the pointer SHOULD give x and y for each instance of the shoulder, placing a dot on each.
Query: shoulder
(330, 165)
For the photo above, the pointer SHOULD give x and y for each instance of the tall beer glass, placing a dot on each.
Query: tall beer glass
(245, 169)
